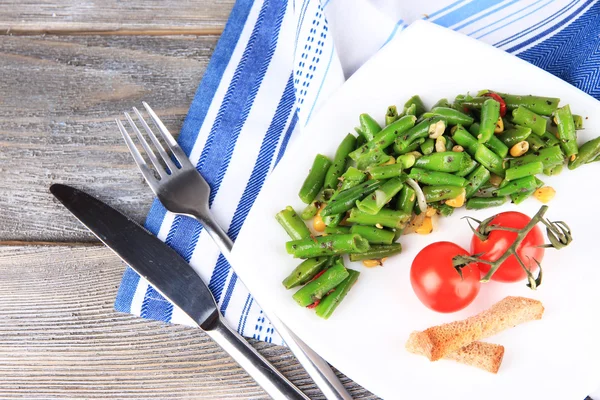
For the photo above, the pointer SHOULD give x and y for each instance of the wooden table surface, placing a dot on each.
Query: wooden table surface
(68, 69)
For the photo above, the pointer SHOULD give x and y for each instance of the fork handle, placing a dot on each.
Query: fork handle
(271, 380)
(315, 366)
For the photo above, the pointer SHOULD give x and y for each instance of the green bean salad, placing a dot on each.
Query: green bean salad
(478, 151)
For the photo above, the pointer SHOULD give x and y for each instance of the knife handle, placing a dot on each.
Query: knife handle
(265, 374)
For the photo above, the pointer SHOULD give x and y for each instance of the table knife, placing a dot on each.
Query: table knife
(175, 279)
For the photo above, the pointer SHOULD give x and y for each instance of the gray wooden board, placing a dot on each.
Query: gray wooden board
(113, 16)
(59, 99)
(59, 338)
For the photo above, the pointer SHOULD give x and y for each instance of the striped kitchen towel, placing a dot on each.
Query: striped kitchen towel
(276, 62)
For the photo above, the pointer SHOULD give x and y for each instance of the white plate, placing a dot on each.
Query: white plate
(555, 358)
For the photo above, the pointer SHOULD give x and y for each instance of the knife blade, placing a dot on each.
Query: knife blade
(175, 279)
(152, 259)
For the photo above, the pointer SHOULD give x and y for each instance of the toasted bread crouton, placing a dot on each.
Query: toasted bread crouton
(440, 341)
(487, 356)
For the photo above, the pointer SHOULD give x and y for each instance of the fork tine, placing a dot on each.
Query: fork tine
(159, 147)
(169, 139)
(137, 157)
(159, 168)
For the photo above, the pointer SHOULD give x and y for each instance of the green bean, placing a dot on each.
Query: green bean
(449, 143)
(452, 116)
(566, 131)
(417, 102)
(492, 161)
(391, 115)
(427, 146)
(326, 245)
(374, 202)
(372, 157)
(537, 104)
(515, 135)
(368, 126)
(442, 103)
(524, 170)
(465, 139)
(478, 203)
(421, 130)
(346, 199)
(490, 112)
(527, 118)
(518, 198)
(339, 162)
(549, 156)
(587, 152)
(552, 171)
(516, 186)
(436, 178)
(386, 137)
(318, 288)
(310, 210)
(467, 168)
(442, 192)
(406, 160)
(331, 301)
(305, 272)
(314, 181)
(411, 147)
(350, 178)
(473, 103)
(337, 230)
(412, 110)
(360, 140)
(406, 199)
(448, 161)
(386, 171)
(377, 252)
(535, 142)
(443, 209)
(292, 224)
(373, 235)
(476, 179)
(549, 139)
(578, 121)
(386, 217)
(497, 146)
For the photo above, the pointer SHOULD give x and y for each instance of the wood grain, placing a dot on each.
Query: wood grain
(140, 17)
(57, 121)
(59, 338)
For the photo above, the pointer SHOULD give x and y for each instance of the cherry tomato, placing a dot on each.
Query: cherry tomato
(499, 241)
(437, 284)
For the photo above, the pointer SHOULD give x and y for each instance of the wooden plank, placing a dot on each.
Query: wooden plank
(60, 98)
(141, 17)
(60, 338)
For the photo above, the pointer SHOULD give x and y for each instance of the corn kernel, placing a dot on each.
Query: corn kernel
(495, 180)
(458, 148)
(499, 126)
(426, 227)
(519, 149)
(453, 129)
(430, 212)
(544, 194)
(573, 157)
(436, 130)
(391, 161)
(458, 201)
(440, 144)
(318, 222)
(371, 263)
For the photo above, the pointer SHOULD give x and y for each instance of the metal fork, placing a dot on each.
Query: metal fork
(182, 190)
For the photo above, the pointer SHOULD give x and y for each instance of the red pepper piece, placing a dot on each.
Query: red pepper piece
(499, 100)
(317, 275)
(313, 305)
